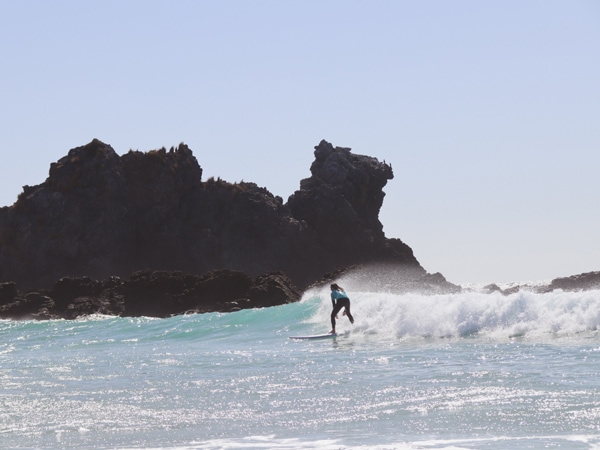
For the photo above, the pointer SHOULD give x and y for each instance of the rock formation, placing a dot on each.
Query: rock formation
(340, 203)
(165, 242)
(148, 293)
(100, 215)
(581, 282)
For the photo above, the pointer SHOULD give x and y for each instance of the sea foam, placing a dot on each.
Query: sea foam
(466, 314)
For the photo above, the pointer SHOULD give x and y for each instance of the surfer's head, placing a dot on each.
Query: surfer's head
(335, 287)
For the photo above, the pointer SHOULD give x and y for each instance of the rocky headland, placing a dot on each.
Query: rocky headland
(148, 293)
(142, 234)
(581, 282)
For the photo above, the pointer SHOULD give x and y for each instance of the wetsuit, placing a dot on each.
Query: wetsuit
(339, 300)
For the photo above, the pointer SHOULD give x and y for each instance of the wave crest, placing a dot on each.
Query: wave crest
(523, 314)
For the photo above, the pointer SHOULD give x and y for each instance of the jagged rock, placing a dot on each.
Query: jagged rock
(67, 289)
(99, 215)
(92, 214)
(340, 203)
(154, 294)
(30, 306)
(192, 246)
(76, 297)
(162, 294)
(273, 289)
(490, 288)
(583, 281)
(436, 283)
(244, 227)
(166, 293)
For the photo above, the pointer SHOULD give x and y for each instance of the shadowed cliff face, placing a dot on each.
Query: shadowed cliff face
(148, 293)
(341, 201)
(93, 214)
(99, 214)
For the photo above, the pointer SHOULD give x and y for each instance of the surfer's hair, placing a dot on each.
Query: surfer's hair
(337, 287)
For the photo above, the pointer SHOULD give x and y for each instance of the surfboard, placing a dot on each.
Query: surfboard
(315, 336)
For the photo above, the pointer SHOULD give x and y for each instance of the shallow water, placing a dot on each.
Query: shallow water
(468, 371)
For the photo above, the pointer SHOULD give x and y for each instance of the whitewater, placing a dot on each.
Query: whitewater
(455, 371)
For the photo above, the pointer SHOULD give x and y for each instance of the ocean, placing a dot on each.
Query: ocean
(457, 371)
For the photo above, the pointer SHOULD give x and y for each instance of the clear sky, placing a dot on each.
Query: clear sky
(488, 111)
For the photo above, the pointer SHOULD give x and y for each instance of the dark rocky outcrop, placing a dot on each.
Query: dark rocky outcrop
(340, 204)
(167, 293)
(490, 288)
(151, 293)
(99, 215)
(199, 246)
(581, 282)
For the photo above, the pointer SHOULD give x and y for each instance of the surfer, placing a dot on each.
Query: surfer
(339, 300)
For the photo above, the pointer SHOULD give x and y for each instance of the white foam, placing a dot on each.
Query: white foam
(467, 314)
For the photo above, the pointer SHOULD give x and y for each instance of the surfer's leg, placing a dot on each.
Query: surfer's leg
(336, 309)
(347, 310)
(346, 305)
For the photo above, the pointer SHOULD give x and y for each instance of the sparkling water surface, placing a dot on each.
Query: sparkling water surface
(462, 371)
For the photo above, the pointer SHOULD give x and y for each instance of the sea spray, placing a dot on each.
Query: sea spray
(467, 314)
(468, 370)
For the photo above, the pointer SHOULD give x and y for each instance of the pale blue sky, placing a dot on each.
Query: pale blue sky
(488, 111)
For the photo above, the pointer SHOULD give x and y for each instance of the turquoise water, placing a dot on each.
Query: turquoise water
(464, 371)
